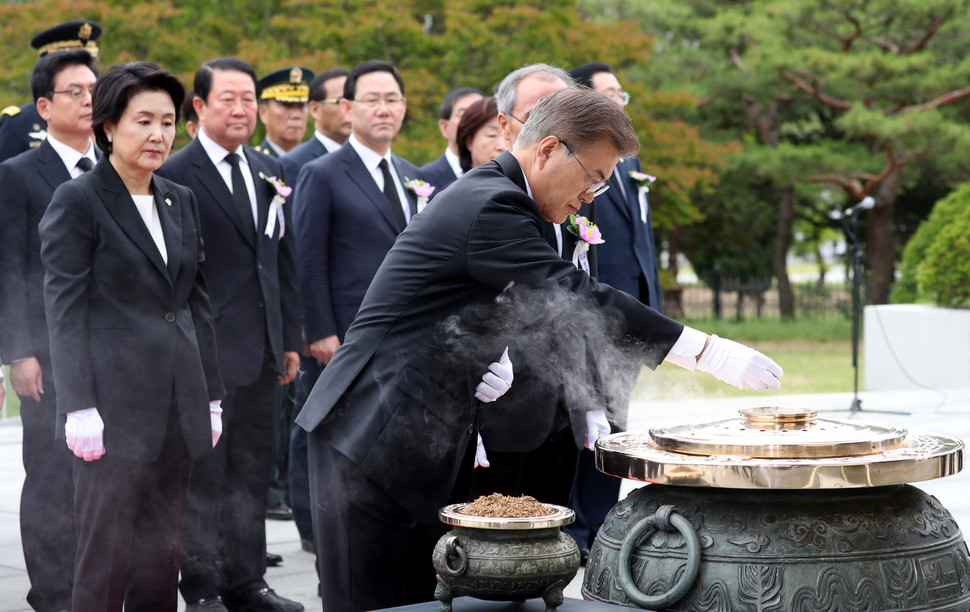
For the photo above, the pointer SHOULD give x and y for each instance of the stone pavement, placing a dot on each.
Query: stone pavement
(931, 411)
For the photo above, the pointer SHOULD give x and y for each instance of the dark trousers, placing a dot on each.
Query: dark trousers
(224, 547)
(129, 521)
(546, 473)
(279, 488)
(299, 476)
(594, 495)
(47, 505)
(371, 553)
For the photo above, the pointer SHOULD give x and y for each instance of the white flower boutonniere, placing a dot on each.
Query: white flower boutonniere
(422, 189)
(588, 234)
(282, 191)
(644, 181)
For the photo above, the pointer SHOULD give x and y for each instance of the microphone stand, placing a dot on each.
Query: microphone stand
(855, 256)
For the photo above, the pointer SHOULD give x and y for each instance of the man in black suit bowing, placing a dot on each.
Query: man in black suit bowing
(250, 265)
(392, 415)
(61, 85)
(538, 459)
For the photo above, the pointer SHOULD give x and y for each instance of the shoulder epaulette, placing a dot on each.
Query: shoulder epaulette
(11, 111)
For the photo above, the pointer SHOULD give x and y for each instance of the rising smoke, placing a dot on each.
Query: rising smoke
(560, 342)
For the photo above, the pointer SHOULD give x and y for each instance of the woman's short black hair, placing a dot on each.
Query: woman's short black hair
(115, 88)
(474, 119)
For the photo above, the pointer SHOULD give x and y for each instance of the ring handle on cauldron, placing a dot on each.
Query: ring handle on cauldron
(665, 518)
(454, 550)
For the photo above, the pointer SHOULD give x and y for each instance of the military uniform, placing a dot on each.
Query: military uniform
(286, 86)
(21, 127)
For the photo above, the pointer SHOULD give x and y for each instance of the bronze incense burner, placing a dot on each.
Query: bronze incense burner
(505, 559)
(780, 510)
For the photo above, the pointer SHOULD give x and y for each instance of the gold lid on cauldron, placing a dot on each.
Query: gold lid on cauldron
(453, 515)
(779, 448)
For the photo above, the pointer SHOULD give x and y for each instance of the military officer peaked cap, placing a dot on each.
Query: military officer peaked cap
(71, 35)
(286, 85)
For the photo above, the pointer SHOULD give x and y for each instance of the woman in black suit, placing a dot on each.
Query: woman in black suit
(132, 344)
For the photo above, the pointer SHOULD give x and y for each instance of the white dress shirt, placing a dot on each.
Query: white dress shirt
(371, 160)
(70, 155)
(454, 162)
(217, 153)
(149, 214)
(329, 143)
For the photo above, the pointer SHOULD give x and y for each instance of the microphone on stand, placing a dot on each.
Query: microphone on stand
(867, 203)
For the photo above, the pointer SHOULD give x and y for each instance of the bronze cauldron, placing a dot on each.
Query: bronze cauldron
(779, 510)
(505, 559)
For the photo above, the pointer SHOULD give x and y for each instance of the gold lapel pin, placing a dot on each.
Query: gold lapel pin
(167, 201)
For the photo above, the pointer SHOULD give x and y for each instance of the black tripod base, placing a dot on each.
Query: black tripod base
(856, 407)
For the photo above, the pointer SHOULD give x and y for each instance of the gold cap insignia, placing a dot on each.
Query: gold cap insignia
(85, 32)
(296, 74)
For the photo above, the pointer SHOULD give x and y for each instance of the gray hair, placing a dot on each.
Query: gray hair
(505, 91)
(581, 117)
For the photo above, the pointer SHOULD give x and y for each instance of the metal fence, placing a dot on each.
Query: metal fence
(811, 301)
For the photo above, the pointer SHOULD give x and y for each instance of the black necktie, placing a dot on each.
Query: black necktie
(390, 192)
(240, 195)
(85, 164)
(618, 186)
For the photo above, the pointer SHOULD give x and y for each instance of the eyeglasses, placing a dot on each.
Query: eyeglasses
(517, 119)
(372, 103)
(620, 96)
(75, 91)
(597, 187)
(330, 101)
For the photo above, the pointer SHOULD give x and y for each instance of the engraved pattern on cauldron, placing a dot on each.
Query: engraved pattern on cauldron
(835, 592)
(760, 586)
(715, 597)
(900, 550)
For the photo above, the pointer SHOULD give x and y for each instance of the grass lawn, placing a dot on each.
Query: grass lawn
(13, 402)
(815, 355)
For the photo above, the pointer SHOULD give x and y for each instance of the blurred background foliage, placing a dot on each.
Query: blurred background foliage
(757, 117)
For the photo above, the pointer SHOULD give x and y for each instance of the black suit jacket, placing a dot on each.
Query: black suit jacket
(28, 182)
(628, 253)
(299, 156)
(252, 278)
(344, 227)
(389, 400)
(129, 333)
(439, 174)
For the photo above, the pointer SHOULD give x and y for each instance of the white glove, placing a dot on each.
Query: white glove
(596, 427)
(497, 381)
(215, 419)
(739, 365)
(84, 431)
(481, 459)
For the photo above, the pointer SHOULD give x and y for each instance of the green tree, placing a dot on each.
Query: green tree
(851, 93)
(437, 45)
(925, 256)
